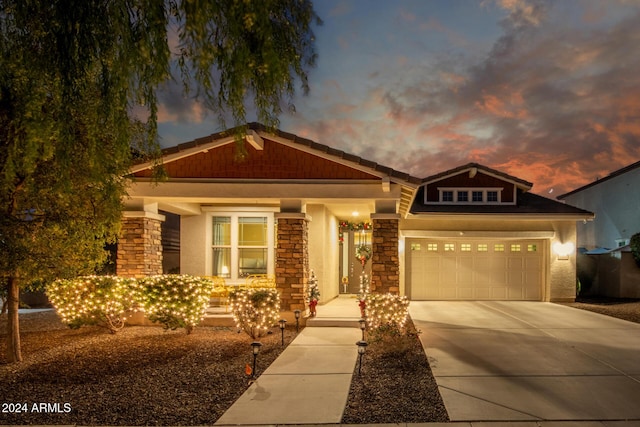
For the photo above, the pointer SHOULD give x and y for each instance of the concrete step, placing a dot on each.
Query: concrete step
(339, 322)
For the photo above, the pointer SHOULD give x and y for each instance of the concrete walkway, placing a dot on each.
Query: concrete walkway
(309, 382)
(531, 361)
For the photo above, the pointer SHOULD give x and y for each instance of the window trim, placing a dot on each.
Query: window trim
(469, 191)
(235, 214)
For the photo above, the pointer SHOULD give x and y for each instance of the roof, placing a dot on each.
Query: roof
(528, 203)
(598, 181)
(320, 149)
(519, 182)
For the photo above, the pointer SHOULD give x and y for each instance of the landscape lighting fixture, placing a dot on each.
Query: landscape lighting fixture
(255, 348)
(362, 348)
(297, 314)
(282, 323)
(363, 326)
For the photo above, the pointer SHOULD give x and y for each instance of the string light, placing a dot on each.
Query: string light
(255, 310)
(384, 309)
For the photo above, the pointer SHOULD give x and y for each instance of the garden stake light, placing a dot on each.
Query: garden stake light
(362, 348)
(255, 348)
(363, 326)
(282, 322)
(297, 314)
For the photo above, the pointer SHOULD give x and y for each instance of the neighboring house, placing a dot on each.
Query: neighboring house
(615, 200)
(606, 266)
(294, 205)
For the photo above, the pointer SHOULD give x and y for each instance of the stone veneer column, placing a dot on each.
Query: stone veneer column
(385, 264)
(292, 260)
(140, 245)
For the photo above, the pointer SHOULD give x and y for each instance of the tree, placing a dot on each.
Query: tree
(72, 73)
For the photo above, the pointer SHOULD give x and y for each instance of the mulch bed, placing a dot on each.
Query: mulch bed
(626, 309)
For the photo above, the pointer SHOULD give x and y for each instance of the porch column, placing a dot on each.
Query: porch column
(292, 260)
(140, 244)
(385, 264)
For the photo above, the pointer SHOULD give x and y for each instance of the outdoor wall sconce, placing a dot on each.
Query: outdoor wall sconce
(563, 250)
(255, 349)
(363, 326)
(362, 348)
(297, 314)
(282, 323)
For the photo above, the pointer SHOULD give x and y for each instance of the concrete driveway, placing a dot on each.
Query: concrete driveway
(515, 361)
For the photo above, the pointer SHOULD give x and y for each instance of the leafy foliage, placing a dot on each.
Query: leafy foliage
(255, 310)
(92, 300)
(634, 243)
(78, 101)
(175, 301)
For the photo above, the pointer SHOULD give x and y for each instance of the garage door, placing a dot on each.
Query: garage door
(440, 269)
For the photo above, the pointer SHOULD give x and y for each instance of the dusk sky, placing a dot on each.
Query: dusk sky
(547, 91)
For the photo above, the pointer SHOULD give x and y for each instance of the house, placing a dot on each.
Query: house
(605, 265)
(292, 205)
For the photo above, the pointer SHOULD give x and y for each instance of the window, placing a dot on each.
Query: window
(515, 247)
(476, 196)
(242, 245)
(532, 248)
(492, 196)
(416, 247)
(498, 247)
(432, 247)
(463, 196)
(465, 247)
(447, 196)
(449, 247)
(468, 195)
(482, 247)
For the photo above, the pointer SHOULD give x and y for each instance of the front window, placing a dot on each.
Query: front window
(492, 196)
(463, 196)
(447, 196)
(241, 245)
(477, 196)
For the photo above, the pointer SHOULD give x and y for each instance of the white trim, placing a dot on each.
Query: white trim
(469, 191)
(143, 214)
(464, 234)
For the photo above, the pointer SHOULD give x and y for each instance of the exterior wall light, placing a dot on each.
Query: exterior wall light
(563, 250)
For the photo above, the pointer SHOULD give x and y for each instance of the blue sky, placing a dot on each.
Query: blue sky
(548, 91)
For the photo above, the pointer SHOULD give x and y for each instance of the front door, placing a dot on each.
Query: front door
(355, 260)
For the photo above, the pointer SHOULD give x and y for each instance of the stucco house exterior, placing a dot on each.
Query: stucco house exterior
(607, 267)
(292, 205)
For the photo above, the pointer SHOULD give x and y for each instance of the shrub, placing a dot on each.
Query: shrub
(383, 309)
(387, 316)
(92, 300)
(175, 301)
(255, 310)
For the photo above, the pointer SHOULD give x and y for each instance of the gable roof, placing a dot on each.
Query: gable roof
(256, 132)
(520, 183)
(598, 181)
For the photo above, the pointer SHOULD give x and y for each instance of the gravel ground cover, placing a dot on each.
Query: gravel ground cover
(148, 376)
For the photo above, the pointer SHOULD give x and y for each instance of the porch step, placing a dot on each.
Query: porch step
(336, 322)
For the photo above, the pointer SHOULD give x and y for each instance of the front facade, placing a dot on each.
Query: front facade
(293, 205)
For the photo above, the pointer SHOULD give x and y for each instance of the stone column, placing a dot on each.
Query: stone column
(140, 245)
(292, 260)
(385, 261)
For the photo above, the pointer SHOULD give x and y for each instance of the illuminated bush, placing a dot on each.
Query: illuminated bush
(175, 301)
(92, 300)
(255, 310)
(384, 309)
(387, 322)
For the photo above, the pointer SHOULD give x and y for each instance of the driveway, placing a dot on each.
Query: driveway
(514, 361)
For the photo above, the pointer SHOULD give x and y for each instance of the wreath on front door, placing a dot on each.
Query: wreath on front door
(363, 254)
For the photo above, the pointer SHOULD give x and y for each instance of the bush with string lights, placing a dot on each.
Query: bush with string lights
(255, 310)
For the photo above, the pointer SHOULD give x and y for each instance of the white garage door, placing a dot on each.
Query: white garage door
(440, 269)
